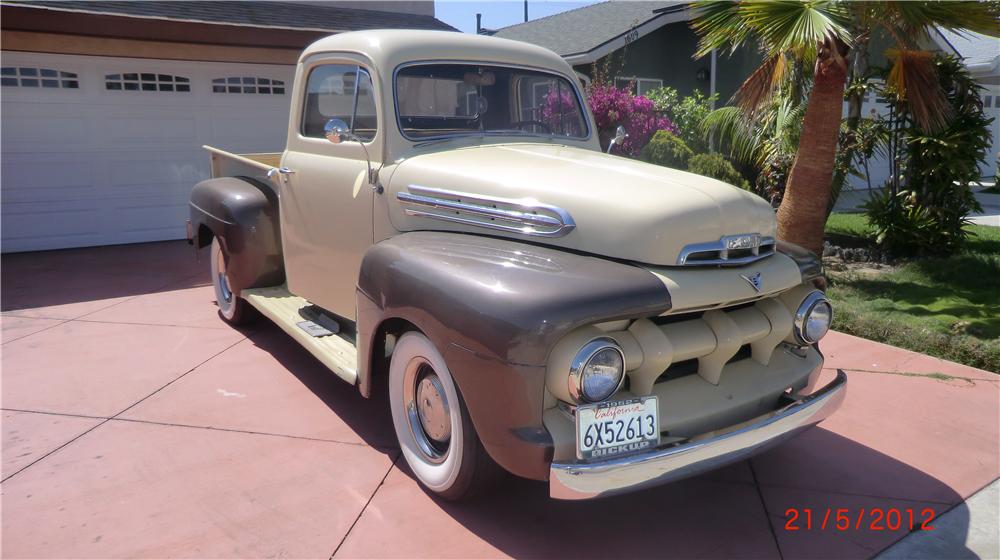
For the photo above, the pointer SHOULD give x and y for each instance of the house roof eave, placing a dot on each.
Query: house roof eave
(662, 18)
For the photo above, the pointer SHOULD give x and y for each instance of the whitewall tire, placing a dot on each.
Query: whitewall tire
(232, 308)
(435, 435)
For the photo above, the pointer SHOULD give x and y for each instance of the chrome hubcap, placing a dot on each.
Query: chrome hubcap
(428, 412)
(432, 407)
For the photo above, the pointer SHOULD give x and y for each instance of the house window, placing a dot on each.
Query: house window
(248, 84)
(638, 86)
(145, 81)
(988, 102)
(339, 91)
(19, 76)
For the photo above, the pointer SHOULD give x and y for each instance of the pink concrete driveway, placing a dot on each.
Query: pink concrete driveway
(137, 424)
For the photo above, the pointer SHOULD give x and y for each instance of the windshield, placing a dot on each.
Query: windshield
(435, 100)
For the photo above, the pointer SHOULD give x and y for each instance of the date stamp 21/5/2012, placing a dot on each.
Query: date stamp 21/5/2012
(870, 519)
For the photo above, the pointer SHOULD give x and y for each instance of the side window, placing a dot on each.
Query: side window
(339, 91)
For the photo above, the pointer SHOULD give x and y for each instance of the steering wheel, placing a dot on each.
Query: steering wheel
(522, 124)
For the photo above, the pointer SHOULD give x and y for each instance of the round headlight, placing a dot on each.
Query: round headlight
(597, 370)
(813, 318)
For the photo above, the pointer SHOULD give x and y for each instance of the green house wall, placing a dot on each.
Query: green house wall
(668, 54)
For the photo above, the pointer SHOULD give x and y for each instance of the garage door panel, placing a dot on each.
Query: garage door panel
(28, 129)
(184, 168)
(151, 217)
(39, 225)
(244, 134)
(47, 179)
(90, 166)
(175, 127)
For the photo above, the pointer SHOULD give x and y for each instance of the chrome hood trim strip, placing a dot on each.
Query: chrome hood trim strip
(525, 216)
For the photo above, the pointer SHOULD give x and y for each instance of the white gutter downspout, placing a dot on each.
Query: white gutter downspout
(711, 92)
(711, 80)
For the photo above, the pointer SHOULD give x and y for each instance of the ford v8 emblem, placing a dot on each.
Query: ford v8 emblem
(743, 241)
(755, 282)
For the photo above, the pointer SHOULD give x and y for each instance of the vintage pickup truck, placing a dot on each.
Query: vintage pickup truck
(444, 223)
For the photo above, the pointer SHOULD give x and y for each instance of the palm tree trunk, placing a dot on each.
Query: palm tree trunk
(802, 214)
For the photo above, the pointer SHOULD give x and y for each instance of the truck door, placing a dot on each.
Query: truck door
(326, 201)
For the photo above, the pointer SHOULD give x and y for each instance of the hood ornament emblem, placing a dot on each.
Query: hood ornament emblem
(755, 282)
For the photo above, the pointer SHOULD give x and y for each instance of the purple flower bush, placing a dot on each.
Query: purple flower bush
(613, 106)
(559, 112)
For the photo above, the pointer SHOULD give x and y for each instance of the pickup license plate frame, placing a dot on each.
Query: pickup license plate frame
(607, 415)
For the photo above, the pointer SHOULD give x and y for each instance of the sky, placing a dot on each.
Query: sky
(497, 14)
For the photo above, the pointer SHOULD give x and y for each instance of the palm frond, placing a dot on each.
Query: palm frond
(958, 15)
(758, 88)
(735, 135)
(718, 22)
(788, 126)
(914, 78)
(786, 25)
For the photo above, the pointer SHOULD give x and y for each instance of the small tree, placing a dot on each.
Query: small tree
(924, 206)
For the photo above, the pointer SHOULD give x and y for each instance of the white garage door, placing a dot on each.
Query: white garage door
(100, 150)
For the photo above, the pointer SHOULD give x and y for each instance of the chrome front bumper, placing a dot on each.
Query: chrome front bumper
(581, 481)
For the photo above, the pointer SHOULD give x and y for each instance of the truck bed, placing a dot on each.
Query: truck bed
(228, 164)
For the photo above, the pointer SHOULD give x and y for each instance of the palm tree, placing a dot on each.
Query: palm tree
(819, 34)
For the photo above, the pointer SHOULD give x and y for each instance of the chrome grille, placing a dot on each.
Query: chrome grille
(730, 250)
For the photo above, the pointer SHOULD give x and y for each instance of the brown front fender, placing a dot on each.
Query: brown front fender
(494, 308)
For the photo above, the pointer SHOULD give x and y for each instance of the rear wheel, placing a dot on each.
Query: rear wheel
(232, 308)
(432, 424)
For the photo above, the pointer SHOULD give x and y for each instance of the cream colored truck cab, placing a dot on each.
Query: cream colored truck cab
(443, 223)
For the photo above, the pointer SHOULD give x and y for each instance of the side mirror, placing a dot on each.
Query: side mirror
(337, 131)
(620, 136)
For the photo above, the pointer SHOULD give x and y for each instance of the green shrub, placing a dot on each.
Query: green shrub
(923, 208)
(686, 113)
(906, 225)
(717, 167)
(667, 150)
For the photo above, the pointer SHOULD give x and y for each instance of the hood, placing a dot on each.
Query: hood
(621, 208)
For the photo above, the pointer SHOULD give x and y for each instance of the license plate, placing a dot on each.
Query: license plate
(615, 428)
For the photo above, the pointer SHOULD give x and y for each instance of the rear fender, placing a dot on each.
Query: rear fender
(242, 213)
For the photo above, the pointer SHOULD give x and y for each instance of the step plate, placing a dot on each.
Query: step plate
(280, 306)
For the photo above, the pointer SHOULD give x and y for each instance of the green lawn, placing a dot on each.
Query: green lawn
(947, 307)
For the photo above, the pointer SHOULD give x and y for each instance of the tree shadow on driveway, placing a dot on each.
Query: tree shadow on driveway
(742, 510)
(712, 515)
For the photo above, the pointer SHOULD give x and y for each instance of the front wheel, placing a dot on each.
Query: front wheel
(432, 424)
(232, 308)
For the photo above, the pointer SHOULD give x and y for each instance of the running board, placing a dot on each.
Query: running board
(279, 305)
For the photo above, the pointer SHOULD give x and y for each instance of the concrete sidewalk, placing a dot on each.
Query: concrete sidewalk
(137, 424)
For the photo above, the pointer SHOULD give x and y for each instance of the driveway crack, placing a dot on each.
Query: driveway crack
(933, 375)
(767, 515)
(370, 498)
